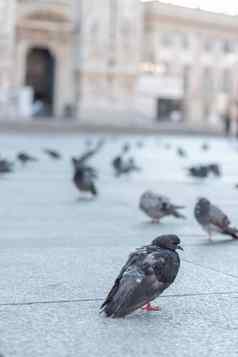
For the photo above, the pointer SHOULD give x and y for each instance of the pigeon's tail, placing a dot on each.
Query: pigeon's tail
(231, 231)
(94, 190)
(177, 214)
(178, 207)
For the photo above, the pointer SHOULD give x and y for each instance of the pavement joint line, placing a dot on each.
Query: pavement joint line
(209, 268)
(72, 301)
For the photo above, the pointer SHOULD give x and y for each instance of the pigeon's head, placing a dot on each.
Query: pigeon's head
(171, 242)
(203, 203)
(201, 209)
(148, 194)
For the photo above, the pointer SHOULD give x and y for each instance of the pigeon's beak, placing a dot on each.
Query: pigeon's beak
(180, 248)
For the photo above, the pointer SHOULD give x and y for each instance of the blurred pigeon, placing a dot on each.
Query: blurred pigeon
(126, 148)
(77, 164)
(53, 154)
(158, 206)
(200, 171)
(181, 152)
(212, 219)
(147, 273)
(24, 158)
(88, 154)
(124, 166)
(84, 178)
(205, 147)
(215, 169)
(5, 166)
(117, 163)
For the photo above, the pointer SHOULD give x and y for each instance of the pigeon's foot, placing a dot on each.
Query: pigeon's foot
(149, 308)
(210, 237)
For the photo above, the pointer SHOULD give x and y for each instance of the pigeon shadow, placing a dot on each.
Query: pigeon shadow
(85, 199)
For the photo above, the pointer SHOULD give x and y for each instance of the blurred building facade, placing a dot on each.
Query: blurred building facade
(198, 50)
(125, 56)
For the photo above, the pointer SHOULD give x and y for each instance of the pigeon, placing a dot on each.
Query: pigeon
(212, 219)
(24, 158)
(201, 171)
(147, 273)
(158, 206)
(181, 152)
(53, 154)
(126, 148)
(215, 169)
(5, 166)
(117, 163)
(77, 164)
(205, 147)
(124, 166)
(84, 178)
(88, 154)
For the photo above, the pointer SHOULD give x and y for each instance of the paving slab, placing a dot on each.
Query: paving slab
(186, 326)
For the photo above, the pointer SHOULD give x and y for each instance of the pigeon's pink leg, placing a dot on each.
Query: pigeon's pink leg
(155, 221)
(149, 307)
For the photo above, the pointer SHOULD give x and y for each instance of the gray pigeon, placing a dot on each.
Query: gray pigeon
(158, 206)
(24, 158)
(84, 179)
(53, 154)
(212, 219)
(147, 273)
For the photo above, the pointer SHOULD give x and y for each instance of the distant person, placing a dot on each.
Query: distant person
(227, 121)
(235, 117)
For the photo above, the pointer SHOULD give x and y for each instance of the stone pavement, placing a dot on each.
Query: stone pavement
(59, 255)
(123, 123)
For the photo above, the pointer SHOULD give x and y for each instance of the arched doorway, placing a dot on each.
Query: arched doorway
(40, 76)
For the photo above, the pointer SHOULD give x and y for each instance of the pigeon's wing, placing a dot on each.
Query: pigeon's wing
(86, 156)
(137, 286)
(151, 202)
(218, 218)
(133, 259)
(90, 153)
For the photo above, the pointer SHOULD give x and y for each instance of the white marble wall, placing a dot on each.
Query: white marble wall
(7, 42)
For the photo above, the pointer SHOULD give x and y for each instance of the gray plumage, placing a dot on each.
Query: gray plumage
(124, 166)
(158, 206)
(84, 179)
(5, 166)
(147, 273)
(24, 158)
(213, 219)
(53, 154)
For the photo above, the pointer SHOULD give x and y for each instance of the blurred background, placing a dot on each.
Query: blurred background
(109, 61)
